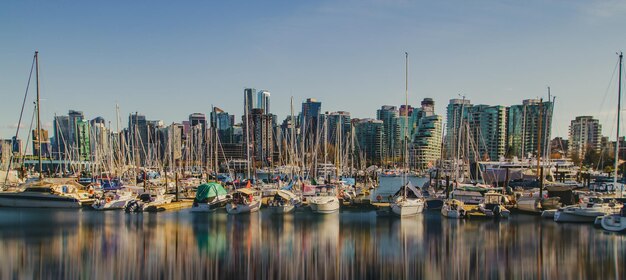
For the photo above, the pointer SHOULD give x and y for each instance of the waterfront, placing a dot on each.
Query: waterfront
(62, 244)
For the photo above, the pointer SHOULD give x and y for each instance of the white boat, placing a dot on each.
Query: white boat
(453, 209)
(325, 200)
(114, 200)
(209, 198)
(493, 205)
(284, 202)
(244, 200)
(150, 198)
(47, 193)
(586, 212)
(408, 202)
(615, 222)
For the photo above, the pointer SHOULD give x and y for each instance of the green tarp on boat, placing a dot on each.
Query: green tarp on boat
(209, 190)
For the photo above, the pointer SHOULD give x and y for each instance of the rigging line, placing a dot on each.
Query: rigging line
(608, 87)
(19, 122)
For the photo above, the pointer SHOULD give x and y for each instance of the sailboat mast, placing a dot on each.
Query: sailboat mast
(619, 108)
(38, 115)
(406, 118)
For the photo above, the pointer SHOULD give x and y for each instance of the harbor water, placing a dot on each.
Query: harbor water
(84, 244)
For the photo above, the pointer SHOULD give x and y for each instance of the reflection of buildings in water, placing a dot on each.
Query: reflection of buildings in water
(182, 246)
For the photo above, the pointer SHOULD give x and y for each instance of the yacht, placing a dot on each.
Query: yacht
(47, 193)
(493, 205)
(325, 200)
(453, 209)
(586, 212)
(244, 200)
(284, 201)
(149, 198)
(117, 199)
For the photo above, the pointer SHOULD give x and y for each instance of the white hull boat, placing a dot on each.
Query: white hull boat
(453, 209)
(324, 204)
(615, 222)
(408, 207)
(48, 193)
(233, 208)
(244, 200)
(114, 201)
(585, 213)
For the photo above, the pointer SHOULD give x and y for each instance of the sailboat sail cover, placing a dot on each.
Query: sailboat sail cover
(210, 190)
(413, 189)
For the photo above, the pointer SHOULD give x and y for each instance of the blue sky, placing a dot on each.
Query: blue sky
(167, 59)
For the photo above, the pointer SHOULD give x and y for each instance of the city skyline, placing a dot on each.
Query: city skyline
(285, 49)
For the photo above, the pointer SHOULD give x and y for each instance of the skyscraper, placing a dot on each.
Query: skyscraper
(264, 101)
(309, 120)
(426, 148)
(248, 99)
(389, 115)
(487, 131)
(456, 113)
(523, 127)
(585, 134)
(370, 139)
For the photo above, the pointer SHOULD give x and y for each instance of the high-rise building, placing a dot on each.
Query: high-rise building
(248, 100)
(523, 127)
(309, 121)
(426, 148)
(224, 124)
(585, 134)
(369, 134)
(456, 114)
(338, 125)
(41, 140)
(260, 128)
(487, 131)
(83, 140)
(71, 137)
(392, 131)
(264, 101)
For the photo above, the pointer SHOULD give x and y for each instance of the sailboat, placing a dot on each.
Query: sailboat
(617, 222)
(45, 193)
(407, 203)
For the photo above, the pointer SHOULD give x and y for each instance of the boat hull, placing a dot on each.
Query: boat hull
(615, 223)
(407, 208)
(569, 217)
(38, 201)
(209, 207)
(324, 205)
(235, 209)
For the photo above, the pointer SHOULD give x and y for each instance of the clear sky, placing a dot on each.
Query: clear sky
(167, 59)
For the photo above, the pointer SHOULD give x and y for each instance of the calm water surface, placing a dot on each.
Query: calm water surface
(62, 244)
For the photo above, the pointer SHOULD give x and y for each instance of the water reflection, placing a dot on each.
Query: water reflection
(181, 245)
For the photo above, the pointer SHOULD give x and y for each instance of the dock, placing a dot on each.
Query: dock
(176, 205)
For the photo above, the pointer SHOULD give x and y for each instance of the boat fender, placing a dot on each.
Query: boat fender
(108, 199)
